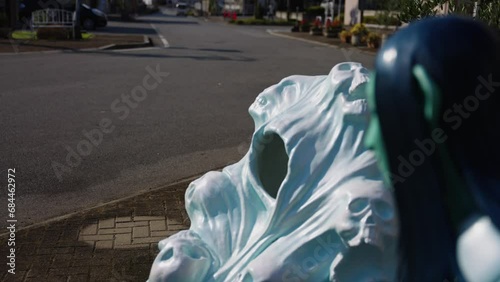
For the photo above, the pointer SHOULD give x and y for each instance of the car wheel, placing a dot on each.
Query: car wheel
(89, 24)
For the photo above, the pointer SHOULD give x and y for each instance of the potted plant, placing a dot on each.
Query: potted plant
(373, 40)
(358, 31)
(316, 28)
(304, 26)
(4, 26)
(345, 36)
(332, 29)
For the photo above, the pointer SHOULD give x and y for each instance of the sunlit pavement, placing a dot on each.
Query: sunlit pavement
(84, 128)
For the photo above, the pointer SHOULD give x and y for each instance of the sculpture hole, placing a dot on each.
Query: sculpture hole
(167, 255)
(272, 164)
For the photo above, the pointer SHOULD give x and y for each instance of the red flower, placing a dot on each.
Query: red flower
(328, 23)
(336, 23)
(317, 23)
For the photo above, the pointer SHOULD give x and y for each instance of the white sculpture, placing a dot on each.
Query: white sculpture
(306, 203)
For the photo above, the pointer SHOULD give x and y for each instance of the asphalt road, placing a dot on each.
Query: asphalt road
(192, 115)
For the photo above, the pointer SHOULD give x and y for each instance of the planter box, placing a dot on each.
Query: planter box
(316, 32)
(355, 40)
(332, 33)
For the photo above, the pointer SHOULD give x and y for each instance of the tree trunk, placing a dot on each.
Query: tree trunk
(77, 31)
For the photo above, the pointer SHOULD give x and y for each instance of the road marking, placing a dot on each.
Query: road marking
(137, 49)
(162, 38)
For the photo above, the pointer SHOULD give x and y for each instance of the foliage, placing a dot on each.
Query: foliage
(339, 18)
(304, 24)
(4, 22)
(393, 20)
(213, 7)
(373, 37)
(23, 35)
(359, 29)
(488, 11)
(258, 11)
(315, 11)
(317, 24)
(333, 26)
(345, 33)
(412, 10)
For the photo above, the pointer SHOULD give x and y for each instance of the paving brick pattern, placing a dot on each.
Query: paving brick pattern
(115, 242)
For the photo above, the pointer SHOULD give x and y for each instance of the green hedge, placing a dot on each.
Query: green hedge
(315, 11)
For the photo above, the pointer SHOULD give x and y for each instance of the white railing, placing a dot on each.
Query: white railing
(52, 18)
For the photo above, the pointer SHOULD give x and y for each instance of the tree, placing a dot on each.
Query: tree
(487, 11)
(257, 13)
(411, 10)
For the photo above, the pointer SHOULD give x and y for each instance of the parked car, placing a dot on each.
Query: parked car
(182, 9)
(90, 18)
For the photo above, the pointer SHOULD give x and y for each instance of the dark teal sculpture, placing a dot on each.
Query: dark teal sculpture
(436, 130)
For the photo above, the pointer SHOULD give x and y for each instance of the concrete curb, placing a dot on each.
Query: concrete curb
(184, 181)
(280, 34)
(147, 42)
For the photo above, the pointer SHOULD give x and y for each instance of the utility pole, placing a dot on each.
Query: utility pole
(11, 6)
(77, 31)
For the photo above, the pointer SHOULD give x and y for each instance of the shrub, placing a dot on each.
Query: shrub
(53, 33)
(370, 20)
(3, 20)
(339, 18)
(381, 19)
(345, 33)
(374, 37)
(359, 29)
(345, 36)
(315, 11)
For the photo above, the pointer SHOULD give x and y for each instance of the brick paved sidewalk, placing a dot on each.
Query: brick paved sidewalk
(113, 242)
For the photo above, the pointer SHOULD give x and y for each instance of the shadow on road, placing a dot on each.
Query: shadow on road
(164, 56)
(127, 30)
(208, 49)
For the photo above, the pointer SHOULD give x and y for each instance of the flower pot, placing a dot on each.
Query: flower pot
(355, 40)
(345, 39)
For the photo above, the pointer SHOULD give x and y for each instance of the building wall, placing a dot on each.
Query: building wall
(351, 12)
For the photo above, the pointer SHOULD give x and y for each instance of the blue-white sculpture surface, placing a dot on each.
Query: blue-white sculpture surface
(306, 203)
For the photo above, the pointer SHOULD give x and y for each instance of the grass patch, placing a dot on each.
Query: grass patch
(23, 35)
(31, 35)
